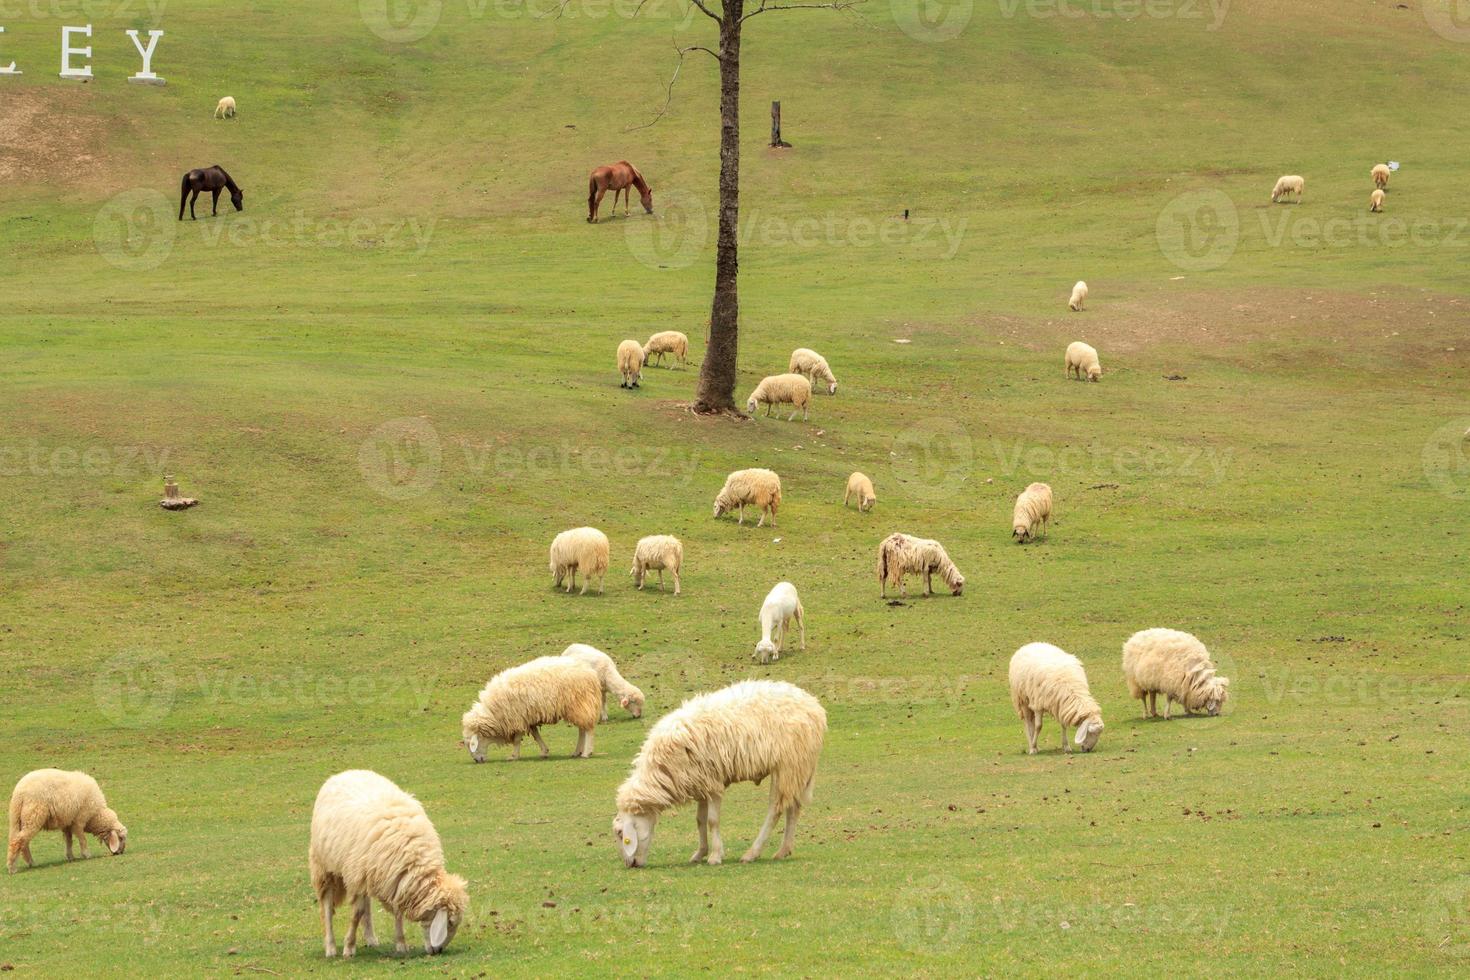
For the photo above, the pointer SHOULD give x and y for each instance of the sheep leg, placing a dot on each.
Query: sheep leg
(584, 743)
(19, 845)
(515, 748)
(66, 835)
(712, 821)
(660, 579)
(759, 844)
(400, 946)
(701, 818)
(1066, 745)
(788, 842)
(604, 707)
(928, 581)
(1168, 705)
(1030, 732)
(363, 906)
(572, 582)
(762, 522)
(676, 582)
(586, 579)
(368, 935)
(536, 734)
(79, 831)
(329, 941)
(742, 515)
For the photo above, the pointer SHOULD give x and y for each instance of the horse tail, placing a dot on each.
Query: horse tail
(591, 189)
(184, 194)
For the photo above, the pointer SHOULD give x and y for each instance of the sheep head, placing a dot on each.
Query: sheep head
(832, 388)
(634, 833)
(1094, 372)
(476, 746)
(1088, 733)
(1218, 692)
(722, 506)
(1022, 533)
(750, 405)
(765, 652)
(633, 704)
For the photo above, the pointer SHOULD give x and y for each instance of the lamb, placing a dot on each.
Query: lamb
(1380, 175)
(628, 696)
(1290, 184)
(225, 109)
(813, 366)
(1047, 680)
(656, 553)
(1375, 201)
(743, 733)
(1033, 509)
(782, 605)
(371, 840)
(1177, 665)
(1079, 296)
(519, 700)
(858, 485)
(901, 554)
(583, 549)
(756, 488)
(782, 389)
(1083, 358)
(71, 802)
(667, 342)
(630, 363)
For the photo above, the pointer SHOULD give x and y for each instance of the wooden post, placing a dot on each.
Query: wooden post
(776, 139)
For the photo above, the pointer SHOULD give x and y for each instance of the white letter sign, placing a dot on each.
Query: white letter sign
(67, 71)
(9, 69)
(146, 75)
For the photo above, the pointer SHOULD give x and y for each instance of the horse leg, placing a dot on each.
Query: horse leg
(597, 203)
(192, 215)
(216, 201)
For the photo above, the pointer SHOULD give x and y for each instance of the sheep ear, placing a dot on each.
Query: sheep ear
(439, 929)
(473, 744)
(112, 841)
(622, 702)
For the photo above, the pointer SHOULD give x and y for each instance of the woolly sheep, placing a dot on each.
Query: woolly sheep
(755, 488)
(1375, 201)
(225, 109)
(658, 552)
(630, 363)
(519, 700)
(371, 840)
(1046, 680)
(813, 366)
(667, 342)
(1177, 665)
(858, 485)
(782, 605)
(901, 554)
(1033, 509)
(745, 733)
(1083, 358)
(628, 696)
(1380, 175)
(71, 802)
(782, 389)
(583, 549)
(1079, 296)
(1290, 184)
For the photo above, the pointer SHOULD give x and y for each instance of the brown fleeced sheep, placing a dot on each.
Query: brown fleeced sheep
(71, 802)
(630, 363)
(754, 488)
(782, 389)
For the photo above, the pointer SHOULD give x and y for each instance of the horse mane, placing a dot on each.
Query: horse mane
(229, 181)
(638, 180)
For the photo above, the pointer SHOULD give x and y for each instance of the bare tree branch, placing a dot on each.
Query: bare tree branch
(678, 67)
(766, 5)
(705, 10)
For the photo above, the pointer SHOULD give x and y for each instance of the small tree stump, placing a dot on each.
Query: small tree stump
(776, 139)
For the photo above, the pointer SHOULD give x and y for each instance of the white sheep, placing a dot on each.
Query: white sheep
(813, 366)
(859, 486)
(901, 554)
(225, 109)
(658, 552)
(756, 488)
(1079, 296)
(630, 363)
(1375, 201)
(1290, 184)
(782, 389)
(71, 802)
(745, 733)
(1380, 175)
(667, 342)
(1082, 358)
(629, 697)
(1032, 510)
(582, 549)
(782, 605)
(371, 840)
(1046, 680)
(519, 700)
(1177, 665)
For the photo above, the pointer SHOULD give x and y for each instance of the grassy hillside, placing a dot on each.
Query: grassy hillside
(391, 380)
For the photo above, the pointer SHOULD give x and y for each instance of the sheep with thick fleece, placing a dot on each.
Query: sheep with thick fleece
(755, 488)
(225, 109)
(1177, 665)
(1032, 510)
(1380, 175)
(782, 605)
(582, 549)
(1046, 680)
(71, 802)
(656, 553)
(782, 389)
(1082, 359)
(371, 840)
(628, 696)
(1079, 296)
(630, 363)
(901, 554)
(519, 700)
(1290, 184)
(744, 733)
(859, 486)
(1375, 201)
(813, 366)
(667, 342)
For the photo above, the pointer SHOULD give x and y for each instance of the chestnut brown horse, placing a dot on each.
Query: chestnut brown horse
(213, 179)
(618, 178)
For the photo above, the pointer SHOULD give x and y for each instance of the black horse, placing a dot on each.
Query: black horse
(213, 179)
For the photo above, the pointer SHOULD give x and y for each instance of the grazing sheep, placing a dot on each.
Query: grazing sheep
(901, 555)
(667, 342)
(630, 363)
(71, 802)
(745, 733)
(1046, 680)
(225, 109)
(1290, 184)
(1375, 201)
(782, 389)
(629, 697)
(1177, 665)
(519, 700)
(813, 366)
(1380, 175)
(583, 549)
(656, 553)
(1079, 296)
(782, 605)
(1083, 358)
(858, 485)
(1033, 509)
(756, 488)
(371, 840)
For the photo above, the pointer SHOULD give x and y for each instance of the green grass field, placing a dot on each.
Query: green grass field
(391, 381)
